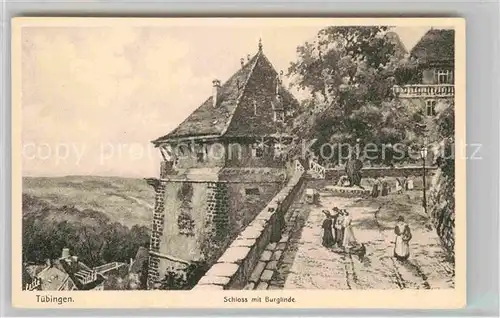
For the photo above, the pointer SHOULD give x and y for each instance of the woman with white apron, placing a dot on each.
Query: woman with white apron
(349, 239)
(402, 242)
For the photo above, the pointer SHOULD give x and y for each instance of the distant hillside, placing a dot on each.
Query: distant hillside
(124, 200)
(88, 233)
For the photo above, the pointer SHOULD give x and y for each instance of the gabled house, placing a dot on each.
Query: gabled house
(221, 166)
(432, 80)
(63, 274)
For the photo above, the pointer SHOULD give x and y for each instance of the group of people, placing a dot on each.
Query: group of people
(381, 186)
(337, 229)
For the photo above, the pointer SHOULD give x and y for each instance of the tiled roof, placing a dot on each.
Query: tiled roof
(247, 86)
(437, 45)
(53, 277)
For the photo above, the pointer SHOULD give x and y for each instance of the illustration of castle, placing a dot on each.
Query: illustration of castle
(221, 166)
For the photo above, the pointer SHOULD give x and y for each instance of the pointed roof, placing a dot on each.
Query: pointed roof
(436, 46)
(399, 47)
(208, 121)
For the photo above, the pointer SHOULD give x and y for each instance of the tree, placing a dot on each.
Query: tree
(349, 72)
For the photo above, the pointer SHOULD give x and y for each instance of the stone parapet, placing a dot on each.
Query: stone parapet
(234, 268)
(347, 192)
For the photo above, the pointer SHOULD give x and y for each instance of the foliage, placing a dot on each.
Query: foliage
(87, 233)
(349, 73)
(183, 279)
(442, 193)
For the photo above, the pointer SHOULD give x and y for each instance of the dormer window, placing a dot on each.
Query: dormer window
(444, 76)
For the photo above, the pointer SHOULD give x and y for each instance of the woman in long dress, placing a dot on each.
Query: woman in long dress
(327, 226)
(349, 239)
(339, 229)
(376, 188)
(385, 187)
(409, 184)
(402, 242)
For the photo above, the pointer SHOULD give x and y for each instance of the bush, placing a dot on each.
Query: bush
(183, 279)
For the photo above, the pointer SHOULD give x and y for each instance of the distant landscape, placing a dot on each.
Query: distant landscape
(101, 219)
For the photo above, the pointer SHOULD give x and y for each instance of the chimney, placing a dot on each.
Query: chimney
(65, 253)
(248, 57)
(242, 62)
(215, 92)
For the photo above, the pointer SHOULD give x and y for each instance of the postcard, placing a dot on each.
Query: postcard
(238, 163)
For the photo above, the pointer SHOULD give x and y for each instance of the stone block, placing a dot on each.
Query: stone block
(214, 280)
(209, 287)
(251, 233)
(266, 275)
(249, 286)
(243, 242)
(223, 270)
(262, 285)
(264, 215)
(271, 246)
(257, 272)
(284, 238)
(281, 246)
(272, 265)
(276, 255)
(266, 256)
(234, 255)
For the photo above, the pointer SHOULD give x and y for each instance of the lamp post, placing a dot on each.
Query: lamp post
(423, 153)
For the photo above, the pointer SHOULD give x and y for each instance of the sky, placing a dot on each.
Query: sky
(93, 97)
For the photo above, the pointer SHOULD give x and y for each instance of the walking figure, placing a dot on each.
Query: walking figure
(339, 229)
(327, 226)
(376, 188)
(402, 242)
(348, 236)
(409, 184)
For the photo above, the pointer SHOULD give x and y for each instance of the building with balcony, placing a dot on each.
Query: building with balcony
(430, 85)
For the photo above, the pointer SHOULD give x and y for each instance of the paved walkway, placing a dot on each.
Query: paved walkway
(316, 267)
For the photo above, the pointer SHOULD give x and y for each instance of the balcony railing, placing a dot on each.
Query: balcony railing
(420, 90)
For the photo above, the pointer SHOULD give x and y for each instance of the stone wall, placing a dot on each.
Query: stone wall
(371, 172)
(442, 210)
(156, 232)
(232, 270)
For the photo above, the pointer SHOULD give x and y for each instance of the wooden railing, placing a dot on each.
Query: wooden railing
(317, 169)
(420, 90)
(86, 276)
(34, 284)
(102, 269)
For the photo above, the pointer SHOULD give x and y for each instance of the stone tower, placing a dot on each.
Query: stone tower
(221, 166)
